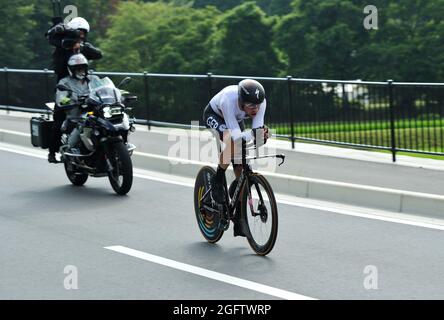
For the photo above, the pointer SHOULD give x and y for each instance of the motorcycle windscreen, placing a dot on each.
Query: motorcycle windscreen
(105, 95)
(103, 91)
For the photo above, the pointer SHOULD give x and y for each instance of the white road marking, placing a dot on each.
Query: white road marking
(163, 180)
(22, 152)
(18, 133)
(279, 293)
(401, 218)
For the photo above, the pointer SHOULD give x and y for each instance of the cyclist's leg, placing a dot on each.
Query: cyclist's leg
(218, 127)
(240, 227)
(236, 149)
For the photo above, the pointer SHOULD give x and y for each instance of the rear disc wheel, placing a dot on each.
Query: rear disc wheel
(208, 222)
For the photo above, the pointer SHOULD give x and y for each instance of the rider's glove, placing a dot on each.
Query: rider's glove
(260, 135)
(65, 101)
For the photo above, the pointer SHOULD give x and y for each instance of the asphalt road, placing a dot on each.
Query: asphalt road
(301, 164)
(46, 224)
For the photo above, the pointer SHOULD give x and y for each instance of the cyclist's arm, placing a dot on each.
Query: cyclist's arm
(258, 120)
(232, 124)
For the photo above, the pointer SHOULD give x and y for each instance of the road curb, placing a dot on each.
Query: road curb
(429, 205)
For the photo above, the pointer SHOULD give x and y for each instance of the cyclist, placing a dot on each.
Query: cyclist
(225, 114)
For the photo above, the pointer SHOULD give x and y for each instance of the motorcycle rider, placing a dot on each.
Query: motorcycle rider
(78, 84)
(70, 39)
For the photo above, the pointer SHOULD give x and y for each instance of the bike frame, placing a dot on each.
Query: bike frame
(243, 179)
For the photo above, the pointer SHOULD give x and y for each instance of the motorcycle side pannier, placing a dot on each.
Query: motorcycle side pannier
(41, 130)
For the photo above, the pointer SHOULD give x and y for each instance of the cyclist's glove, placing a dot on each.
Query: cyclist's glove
(260, 135)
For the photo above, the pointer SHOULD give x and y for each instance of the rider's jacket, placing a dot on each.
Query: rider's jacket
(225, 104)
(63, 39)
(79, 87)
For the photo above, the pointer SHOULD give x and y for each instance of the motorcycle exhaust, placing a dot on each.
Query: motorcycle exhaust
(130, 147)
(78, 155)
(82, 166)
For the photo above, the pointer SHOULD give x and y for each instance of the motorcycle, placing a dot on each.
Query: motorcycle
(96, 143)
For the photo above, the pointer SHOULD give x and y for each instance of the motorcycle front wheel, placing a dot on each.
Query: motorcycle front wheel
(121, 177)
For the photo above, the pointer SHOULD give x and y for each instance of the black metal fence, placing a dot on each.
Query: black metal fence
(389, 115)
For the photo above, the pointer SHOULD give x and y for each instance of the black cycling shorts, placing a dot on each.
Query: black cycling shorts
(214, 121)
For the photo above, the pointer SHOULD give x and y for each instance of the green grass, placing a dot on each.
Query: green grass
(327, 127)
(417, 155)
(424, 136)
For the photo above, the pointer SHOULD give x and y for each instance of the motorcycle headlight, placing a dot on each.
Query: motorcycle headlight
(125, 122)
(107, 112)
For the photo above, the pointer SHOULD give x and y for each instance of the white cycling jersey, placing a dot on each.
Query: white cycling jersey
(225, 104)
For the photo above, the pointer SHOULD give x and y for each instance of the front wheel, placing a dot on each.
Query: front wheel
(121, 177)
(77, 179)
(259, 209)
(208, 222)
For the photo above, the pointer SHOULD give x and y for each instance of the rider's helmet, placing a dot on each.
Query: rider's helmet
(79, 23)
(251, 91)
(78, 66)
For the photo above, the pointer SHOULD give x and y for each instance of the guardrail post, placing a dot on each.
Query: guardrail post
(6, 90)
(147, 99)
(46, 84)
(392, 120)
(210, 86)
(290, 107)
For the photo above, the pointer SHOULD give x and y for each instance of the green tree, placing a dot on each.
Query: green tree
(37, 45)
(95, 11)
(242, 44)
(158, 37)
(15, 25)
(409, 45)
(323, 39)
(220, 4)
(271, 7)
(327, 39)
(275, 7)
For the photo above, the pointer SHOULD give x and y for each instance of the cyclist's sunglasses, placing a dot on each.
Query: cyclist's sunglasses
(251, 106)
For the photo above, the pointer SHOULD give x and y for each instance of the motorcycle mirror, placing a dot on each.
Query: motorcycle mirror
(130, 98)
(62, 87)
(124, 82)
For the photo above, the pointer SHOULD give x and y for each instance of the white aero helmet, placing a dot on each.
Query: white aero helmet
(79, 23)
(78, 66)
